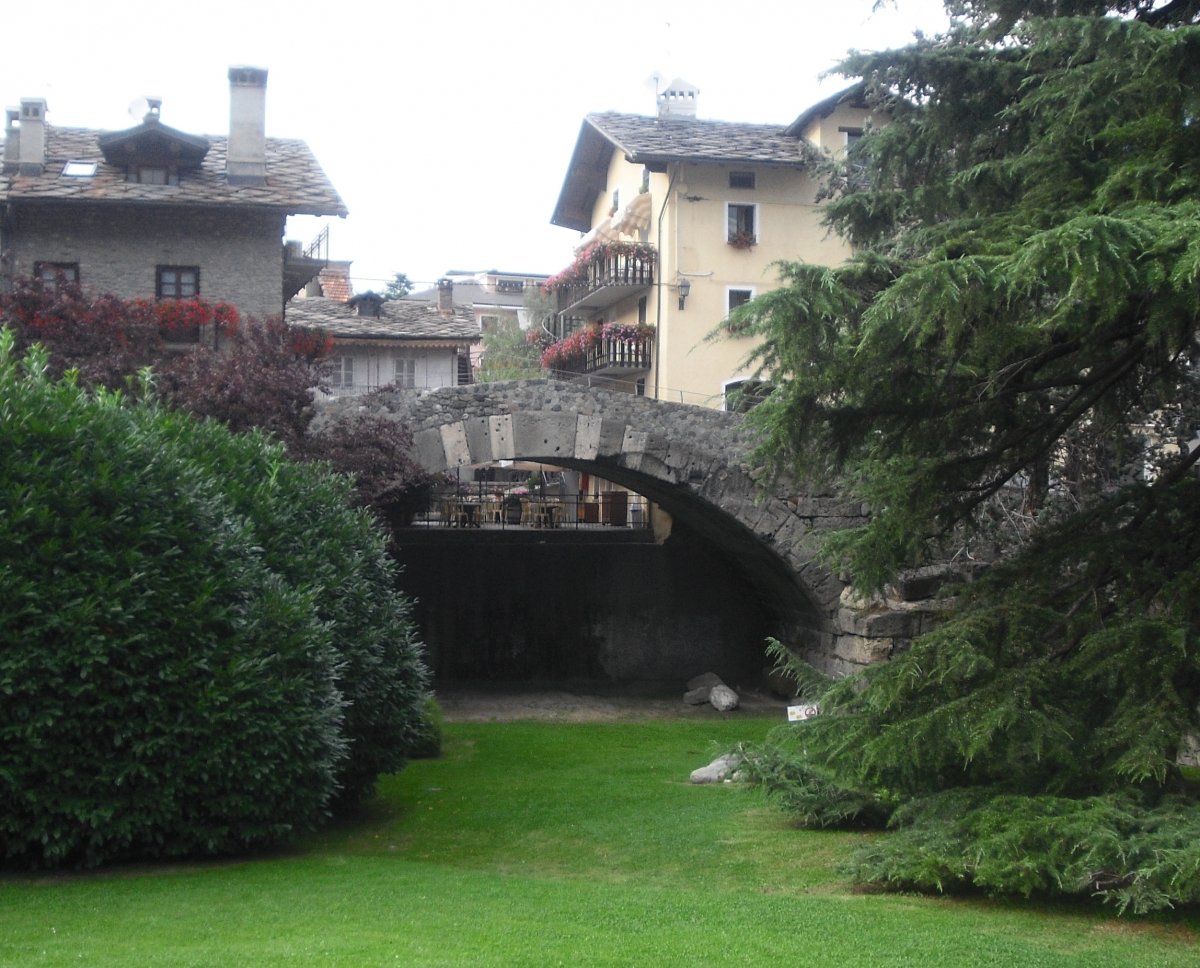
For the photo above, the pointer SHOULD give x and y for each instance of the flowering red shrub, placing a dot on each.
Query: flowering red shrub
(262, 376)
(180, 320)
(627, 332)
(311, 344)
(577, 271)
(570, 352)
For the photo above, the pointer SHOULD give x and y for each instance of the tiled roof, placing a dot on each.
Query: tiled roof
(296, 185)
(854, 94)
(335, 281)
(656, 142)
(650, 140)
(399, 319)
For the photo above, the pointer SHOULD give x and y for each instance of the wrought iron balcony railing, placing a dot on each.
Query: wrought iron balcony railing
(610, 273)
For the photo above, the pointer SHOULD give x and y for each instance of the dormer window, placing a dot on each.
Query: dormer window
(151, 175)
(79, 169)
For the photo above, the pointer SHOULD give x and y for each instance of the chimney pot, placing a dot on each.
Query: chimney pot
(32, 144)
(246, 159)
(678, 100)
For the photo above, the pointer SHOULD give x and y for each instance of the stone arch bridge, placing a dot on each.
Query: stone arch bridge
(690, 461)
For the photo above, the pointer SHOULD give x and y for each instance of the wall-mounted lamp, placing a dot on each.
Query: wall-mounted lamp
(684, 288)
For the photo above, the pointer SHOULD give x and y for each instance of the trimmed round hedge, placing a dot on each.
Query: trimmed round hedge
(201, 645)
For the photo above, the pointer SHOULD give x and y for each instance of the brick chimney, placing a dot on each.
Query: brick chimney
(678, 100)
(31, 153)
(445, 296)
(246, 161)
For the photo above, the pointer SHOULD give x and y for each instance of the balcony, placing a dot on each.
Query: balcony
(623, 355)
(604, 274)
(614, 348)
(302, 264)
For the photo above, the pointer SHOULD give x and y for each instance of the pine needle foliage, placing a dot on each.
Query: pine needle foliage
(1015, 338)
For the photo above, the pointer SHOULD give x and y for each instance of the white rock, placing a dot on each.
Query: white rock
(720, 769)
(723, 698)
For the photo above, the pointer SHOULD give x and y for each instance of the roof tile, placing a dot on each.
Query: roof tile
(295, 184)
(399, 319)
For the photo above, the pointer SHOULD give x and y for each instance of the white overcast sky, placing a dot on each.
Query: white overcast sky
(446, 125)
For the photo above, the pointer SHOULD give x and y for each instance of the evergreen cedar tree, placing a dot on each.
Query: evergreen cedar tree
(1019, 320)
(262, 378)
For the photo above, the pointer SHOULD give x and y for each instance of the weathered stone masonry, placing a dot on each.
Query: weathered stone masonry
(693, 462)
(118, 249)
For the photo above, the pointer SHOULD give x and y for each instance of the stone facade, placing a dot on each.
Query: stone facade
(693, 463)
(118, 249)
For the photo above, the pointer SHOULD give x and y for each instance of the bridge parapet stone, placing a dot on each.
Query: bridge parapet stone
(587, 436)
(454, 441)
(699, 457)
(429, 451)
(546, 434)
(500, 436)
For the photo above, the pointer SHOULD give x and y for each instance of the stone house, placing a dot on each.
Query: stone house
(377, 342)
(684, 218)
(156, 212)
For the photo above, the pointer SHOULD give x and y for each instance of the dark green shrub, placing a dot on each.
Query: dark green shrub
(427, 743)
(172, 681)
(312, 537)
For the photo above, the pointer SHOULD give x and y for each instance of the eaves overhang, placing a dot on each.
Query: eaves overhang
(587, 176)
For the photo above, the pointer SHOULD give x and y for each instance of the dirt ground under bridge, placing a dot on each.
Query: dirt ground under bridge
(588, 702)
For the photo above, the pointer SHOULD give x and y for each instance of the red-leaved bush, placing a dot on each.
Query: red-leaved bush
(244, 373)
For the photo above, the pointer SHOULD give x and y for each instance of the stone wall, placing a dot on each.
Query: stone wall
(240, 254)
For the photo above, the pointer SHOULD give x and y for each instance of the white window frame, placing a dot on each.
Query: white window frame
(730, 290)
(79, 168)
(731, 221)
(736, 383)
(342, 375)
(404, 371)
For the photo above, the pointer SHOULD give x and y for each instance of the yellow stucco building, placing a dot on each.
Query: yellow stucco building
(684, 218)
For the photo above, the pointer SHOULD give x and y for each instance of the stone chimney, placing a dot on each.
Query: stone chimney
(246, 160)
(678, 100)
(445, 296)
(31, 153)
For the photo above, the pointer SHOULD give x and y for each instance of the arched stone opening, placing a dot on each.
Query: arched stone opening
(611, 604)
(690, 461)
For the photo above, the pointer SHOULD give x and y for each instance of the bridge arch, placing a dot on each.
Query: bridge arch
(692, 462)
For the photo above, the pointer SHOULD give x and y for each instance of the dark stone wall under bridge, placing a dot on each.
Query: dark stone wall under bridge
(526, 605)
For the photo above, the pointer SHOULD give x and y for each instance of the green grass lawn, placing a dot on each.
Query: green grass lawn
(548, 844)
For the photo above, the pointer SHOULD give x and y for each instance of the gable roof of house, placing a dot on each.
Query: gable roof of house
(406, 320)
(295, 183)
(855, 95)
(656, 142)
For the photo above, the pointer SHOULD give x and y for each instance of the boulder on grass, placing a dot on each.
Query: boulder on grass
(723, 698)
(718, 771)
